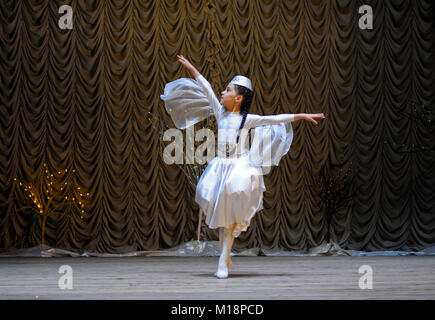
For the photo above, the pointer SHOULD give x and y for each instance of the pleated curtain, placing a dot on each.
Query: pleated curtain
(80, 99)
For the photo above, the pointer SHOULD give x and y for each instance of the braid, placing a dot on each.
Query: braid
(245, 114)
(246, 105)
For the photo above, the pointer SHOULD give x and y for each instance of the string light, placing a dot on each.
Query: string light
(333, 187)
(45, 201)
(411, 148)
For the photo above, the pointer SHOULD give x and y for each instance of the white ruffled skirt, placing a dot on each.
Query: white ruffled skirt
(230, 192)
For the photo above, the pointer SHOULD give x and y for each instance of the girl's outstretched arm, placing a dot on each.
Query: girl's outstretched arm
(255, 120)
(309, 116)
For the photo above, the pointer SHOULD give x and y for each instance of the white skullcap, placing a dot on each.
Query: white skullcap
(242, 81)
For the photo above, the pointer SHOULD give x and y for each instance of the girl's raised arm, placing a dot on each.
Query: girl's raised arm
(195, 73)
(218, 109)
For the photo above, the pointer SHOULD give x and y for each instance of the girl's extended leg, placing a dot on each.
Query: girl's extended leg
(225, 258)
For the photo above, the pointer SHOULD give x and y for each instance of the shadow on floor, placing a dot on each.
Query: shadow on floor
(246, 275)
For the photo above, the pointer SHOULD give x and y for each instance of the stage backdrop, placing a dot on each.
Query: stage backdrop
(78, 100)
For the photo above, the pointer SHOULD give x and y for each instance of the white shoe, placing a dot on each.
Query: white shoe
(222, 273)
(228, 266)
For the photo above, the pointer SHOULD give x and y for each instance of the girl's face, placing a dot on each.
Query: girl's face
(230, 99)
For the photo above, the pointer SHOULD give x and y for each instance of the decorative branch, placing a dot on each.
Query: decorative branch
(49, 194)
(193, 171)
(335, 189)
(422, 115)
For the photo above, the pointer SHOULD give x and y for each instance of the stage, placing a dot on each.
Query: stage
(258, 277)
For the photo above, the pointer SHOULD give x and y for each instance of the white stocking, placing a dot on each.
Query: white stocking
(225, 258)
(221, 238)
(221, 242)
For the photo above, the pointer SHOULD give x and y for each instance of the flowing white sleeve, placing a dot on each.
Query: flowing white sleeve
(273, 136)
(189, 101)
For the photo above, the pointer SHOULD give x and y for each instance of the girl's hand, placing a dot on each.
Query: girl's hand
(184, 61)
(312, 116)
(188, 65)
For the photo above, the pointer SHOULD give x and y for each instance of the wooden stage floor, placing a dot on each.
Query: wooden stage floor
(191, 278)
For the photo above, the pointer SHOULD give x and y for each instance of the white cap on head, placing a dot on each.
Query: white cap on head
(242, 81)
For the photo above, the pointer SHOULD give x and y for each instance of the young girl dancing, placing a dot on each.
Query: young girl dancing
(230, 190)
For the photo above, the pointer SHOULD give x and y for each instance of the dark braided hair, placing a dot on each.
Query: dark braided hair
(246, 105)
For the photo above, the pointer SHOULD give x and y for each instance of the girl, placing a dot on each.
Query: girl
(230, 190)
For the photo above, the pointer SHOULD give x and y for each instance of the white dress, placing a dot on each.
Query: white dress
(230, 190)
